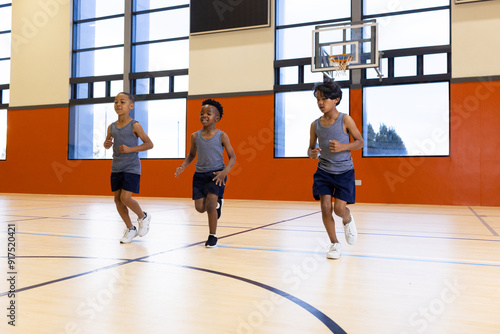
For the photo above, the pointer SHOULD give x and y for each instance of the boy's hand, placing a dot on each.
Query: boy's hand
(125, 149)
(178, 171)
(219, 178)
(108, 143)
(335, 146)
(314, 153)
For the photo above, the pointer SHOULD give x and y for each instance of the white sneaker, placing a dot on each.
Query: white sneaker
(351, 234)
(144, 224)
(128, 235)
(334, 251)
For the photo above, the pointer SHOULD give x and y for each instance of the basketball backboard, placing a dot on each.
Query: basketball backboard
(358, 39)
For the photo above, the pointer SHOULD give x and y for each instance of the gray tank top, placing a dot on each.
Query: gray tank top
(209, 152)
(125, 162)
(333, 162)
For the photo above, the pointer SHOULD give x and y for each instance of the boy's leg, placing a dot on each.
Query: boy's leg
(126, 199)
(340, 208)
(326, 214)
(211, 208)
(199, 205)
(122, 208)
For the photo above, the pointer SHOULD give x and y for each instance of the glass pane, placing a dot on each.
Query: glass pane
(153, 4)
(99, 62)
(3, 133)
(311, 77)
(294, 42)
(289, 75)
(414, 30)
(161, 56)
(6, 96)
(99, 89)
(405, 66)
(371, 73)
(99, 33)
(300, 11)
(394, 127)
(116, 87)
(181, 83)
(4, 72)
(295, 111)
(104, 115)
(371, 7)
(436, 64)
(142, 86)
(5, 18)
(163, 120)
(82, 91)
(88, 128)
(88, 9)
(162, 25)
(166, 126)
(162, 85)
(5, 45)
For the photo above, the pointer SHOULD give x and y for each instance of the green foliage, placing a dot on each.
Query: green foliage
(385, 142)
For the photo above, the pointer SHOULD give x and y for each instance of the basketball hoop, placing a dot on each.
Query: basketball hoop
(340, 63)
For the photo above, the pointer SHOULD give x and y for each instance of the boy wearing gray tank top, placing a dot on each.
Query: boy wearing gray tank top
(330, 143)
(209, 180)
(123, 136)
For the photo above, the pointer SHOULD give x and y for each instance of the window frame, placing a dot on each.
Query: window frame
(358, 79)
(5, 89)
(130, 79)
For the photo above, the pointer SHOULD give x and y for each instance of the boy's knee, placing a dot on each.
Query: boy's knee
(340, 210)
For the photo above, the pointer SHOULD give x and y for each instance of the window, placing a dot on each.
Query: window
(295, 104)
(414, 38)
(410, 119)
(295, 111)
(155, 71)
(5, 46)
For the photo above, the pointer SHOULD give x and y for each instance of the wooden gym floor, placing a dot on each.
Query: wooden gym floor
(414, 269)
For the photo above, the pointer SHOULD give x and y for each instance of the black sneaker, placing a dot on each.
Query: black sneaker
(220, 201)
(211, 241)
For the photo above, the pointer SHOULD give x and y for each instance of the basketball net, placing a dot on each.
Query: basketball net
(340, 63)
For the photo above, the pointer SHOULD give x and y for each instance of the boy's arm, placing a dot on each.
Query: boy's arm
(109, 140)
(147, 144)
(313, 151)
(356, 144)
(220, 176)
(190, 157)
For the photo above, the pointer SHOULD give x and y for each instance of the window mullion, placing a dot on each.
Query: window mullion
(127, 49)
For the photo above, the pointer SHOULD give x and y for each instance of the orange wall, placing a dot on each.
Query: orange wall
(37, 157)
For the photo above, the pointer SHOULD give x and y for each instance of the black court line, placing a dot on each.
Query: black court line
(327, 321)
(484, 223)
(148, 256)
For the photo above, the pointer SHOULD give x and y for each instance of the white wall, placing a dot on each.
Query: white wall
(239, 61)
(41, 52)
(475, 39)
(236, 61)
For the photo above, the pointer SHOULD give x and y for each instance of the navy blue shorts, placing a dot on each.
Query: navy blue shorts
(341, 186)
(203, 184)
(126, 181)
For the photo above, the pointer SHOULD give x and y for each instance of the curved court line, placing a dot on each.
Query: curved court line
(327, 321)
(143, 257)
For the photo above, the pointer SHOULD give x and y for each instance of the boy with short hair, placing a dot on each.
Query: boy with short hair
(335, 174)
(126, 165)
(209, 180)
